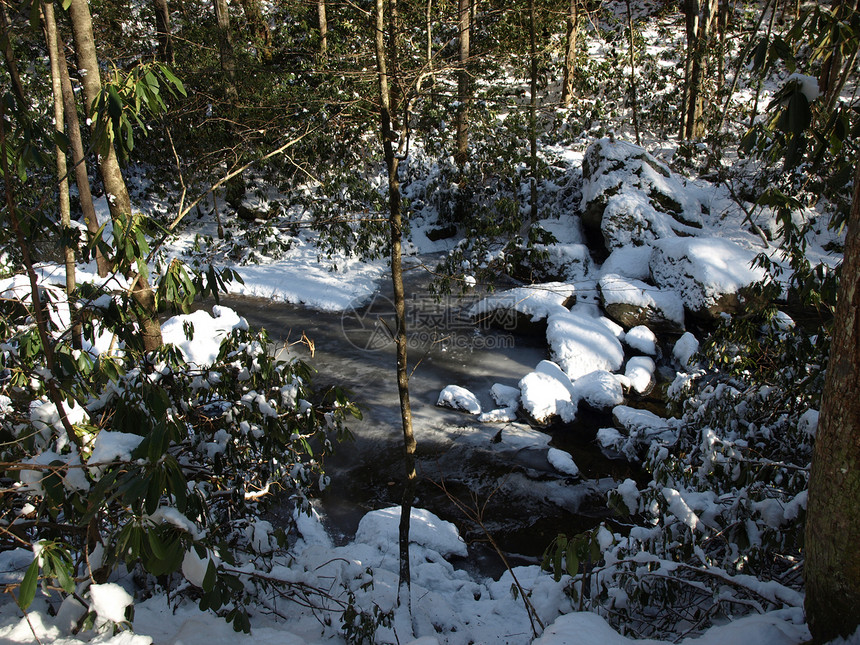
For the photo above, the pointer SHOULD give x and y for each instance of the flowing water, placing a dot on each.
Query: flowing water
(497, 471)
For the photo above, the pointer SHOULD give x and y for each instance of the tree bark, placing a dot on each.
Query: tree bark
(50, 27)
(461, 155)
(225, 50)
(633, 97)
(833, 524)
(11, 60)
(698, 50)
(323, 23)
(76, 146)
(533, 160)
(395, 224)
(162, 32)
(570, 54)
(119, 201)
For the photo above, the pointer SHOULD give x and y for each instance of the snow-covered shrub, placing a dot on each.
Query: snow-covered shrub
(717, 530)
(161, 467)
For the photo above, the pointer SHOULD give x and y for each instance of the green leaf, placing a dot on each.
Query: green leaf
(27, 591)
(159, 549)
(62, 570)
(210, 577)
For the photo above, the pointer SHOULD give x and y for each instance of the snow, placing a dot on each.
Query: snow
(628, 261)
(544, 397)
(640, 372)
(459, 398)
(505, 395)
(380, 529)
(617, 289)
(684, 350)
(703, 269)
(109, 601)
(211, 329)
(537, 301)
(808, 85)
(641, 338)
(580, 344)
(562, 462)
(112, 446)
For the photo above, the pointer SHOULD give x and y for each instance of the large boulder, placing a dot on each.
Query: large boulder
(631, 198)
(710, 274)
(519, 309)
(581, 344)
(631, 303)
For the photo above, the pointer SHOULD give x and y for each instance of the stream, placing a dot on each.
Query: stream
(499, 469)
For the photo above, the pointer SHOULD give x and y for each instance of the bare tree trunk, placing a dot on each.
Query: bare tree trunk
(461, 155)
(761, 77)
(570, 54)
(833, 524)
(533, 113)
(394, 219)
(633, 96)
(119, 201)
(707, 11)
(323, 22)
(722, 25)
(225, 50)
(162, 32)
(50, 27)
(76, 146)
(691, 22)
(429, 29)
(10, 58)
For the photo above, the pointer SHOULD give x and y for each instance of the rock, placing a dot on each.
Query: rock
(640, 372)
(523, 309)
(599, 390)
(459, 398)
(441, 233)
(710, 274)
(631, 303)
(629, 198)
(545, 397)
(581, 344)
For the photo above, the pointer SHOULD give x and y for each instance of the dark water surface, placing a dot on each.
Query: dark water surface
(497, 468)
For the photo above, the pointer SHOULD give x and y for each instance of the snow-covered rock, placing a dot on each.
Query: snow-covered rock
(684, 350)
(515, 309)
(544, 396)
(633, 302)
(631, 198)
(459, 398)
(640, 372)
(599, 389)
(581, 344)
(380, 529)
(562, 462)
(505, 395)
(641, 338)
(707, 272)
(208, 332)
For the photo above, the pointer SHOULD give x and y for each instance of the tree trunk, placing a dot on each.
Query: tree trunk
(833, 524)
(225, 50)
(119, 201)
(461, 155)
(76, 146)
(691, 22)
(570, 54)
(162, 32)
(633, 97)
(429, 29)
(323, 22)
(50, 27)
(533, 160)
(698, 51)
(395, 223)
(11, 60)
